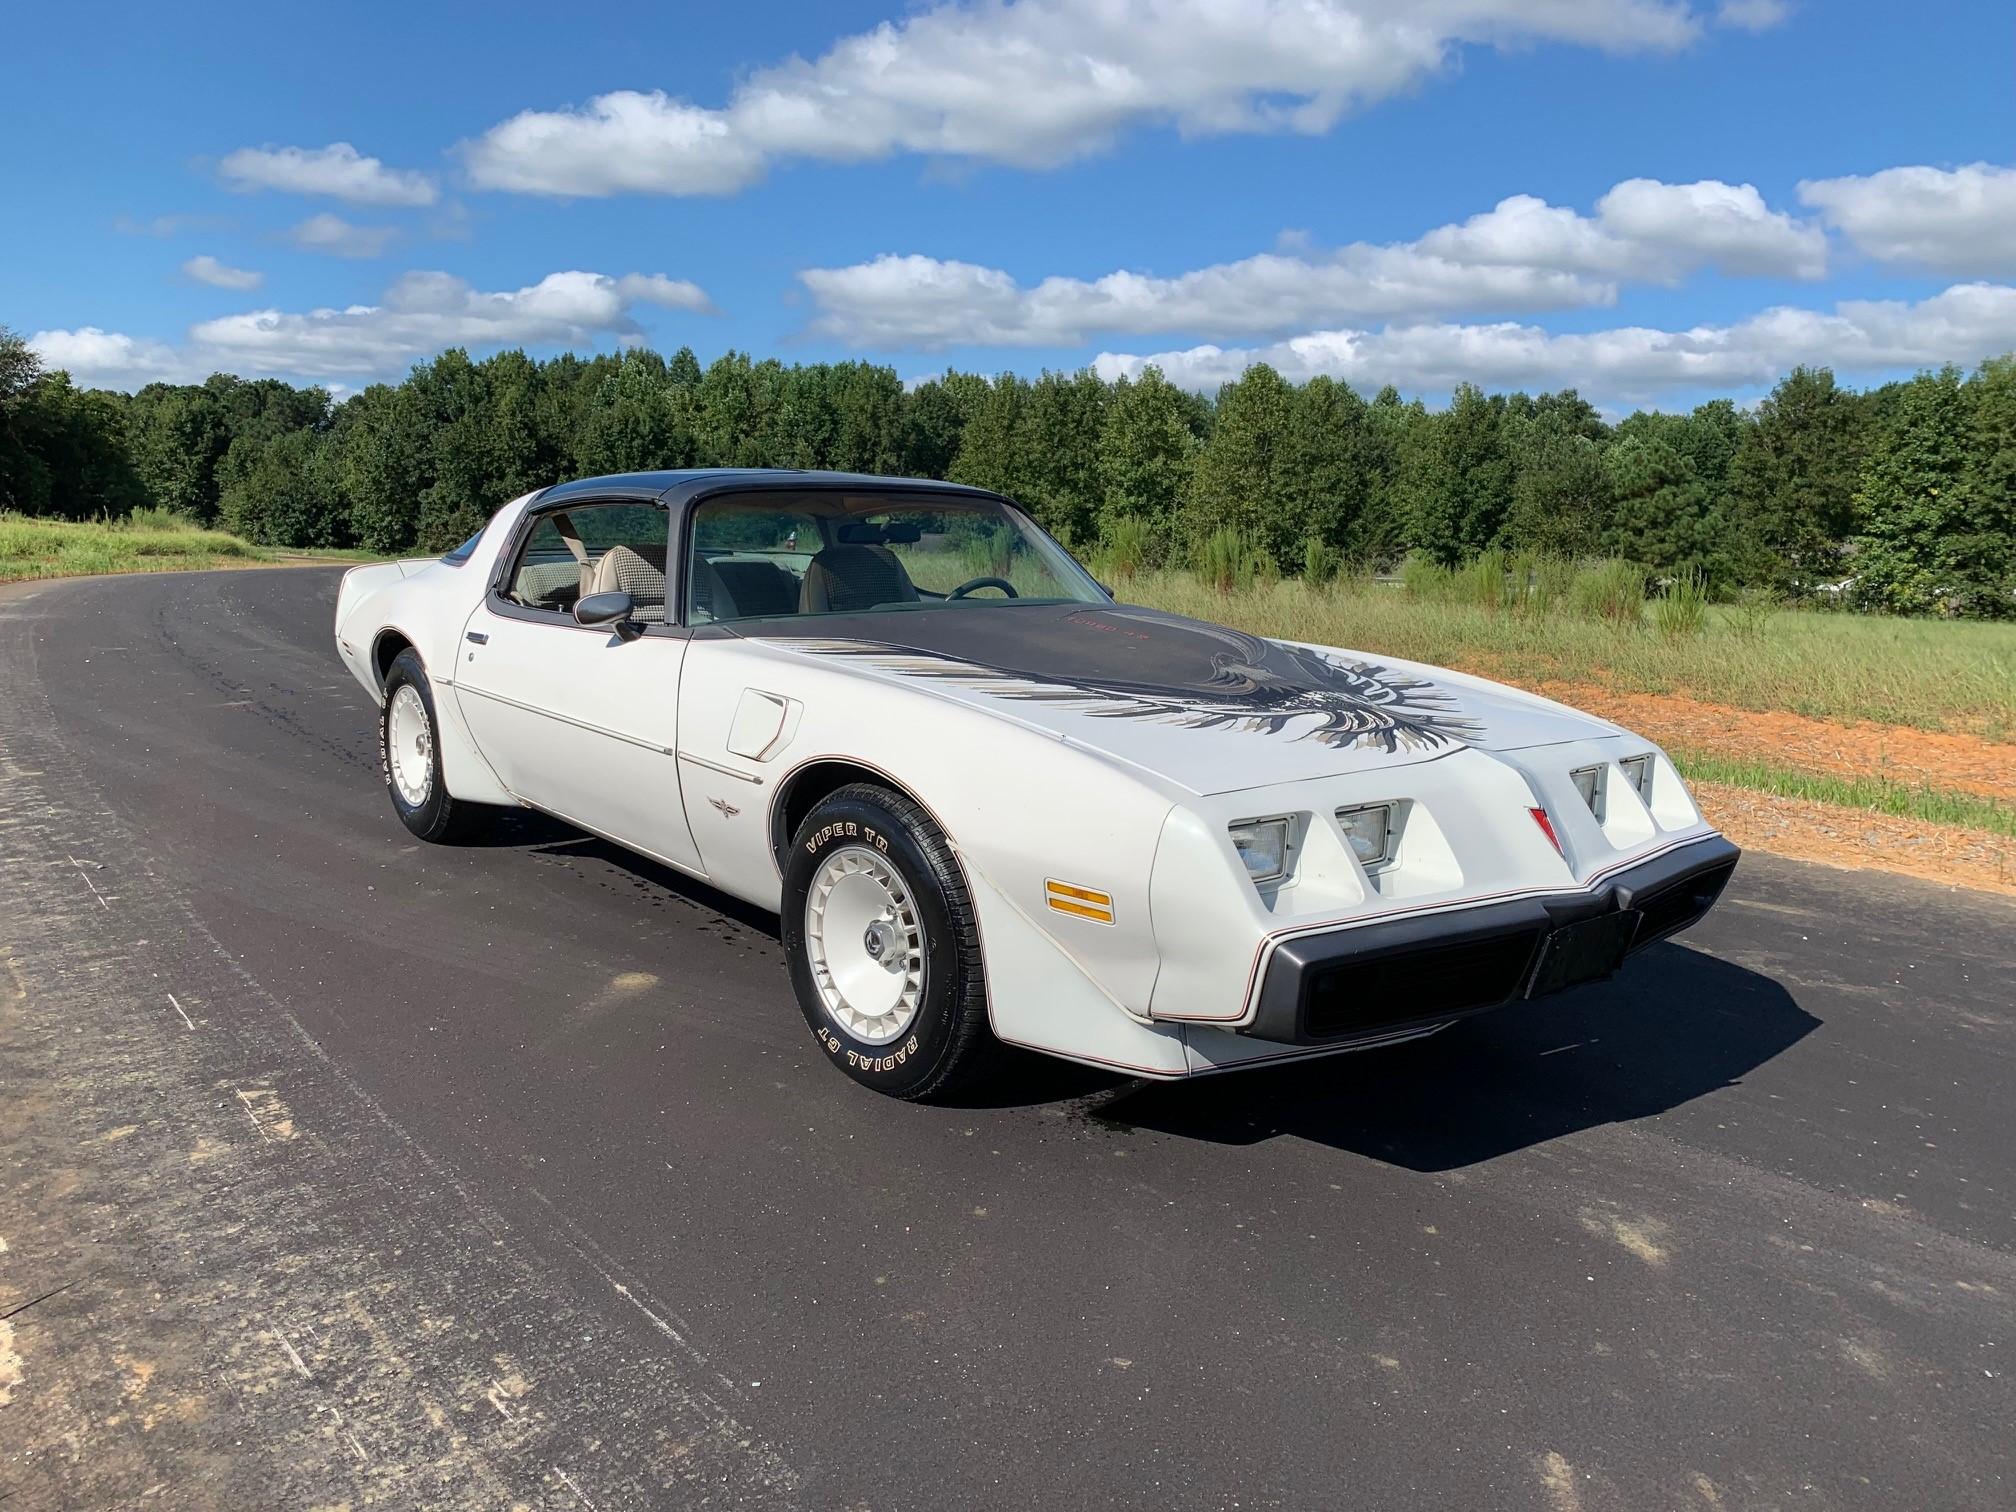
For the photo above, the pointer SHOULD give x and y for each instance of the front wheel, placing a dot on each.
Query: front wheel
(884, 951)
(409, 749)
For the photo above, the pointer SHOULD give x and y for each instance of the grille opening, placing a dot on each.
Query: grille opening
(1357, 997)
(1672, 909)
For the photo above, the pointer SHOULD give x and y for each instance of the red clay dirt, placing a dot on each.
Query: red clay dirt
(1825, 832)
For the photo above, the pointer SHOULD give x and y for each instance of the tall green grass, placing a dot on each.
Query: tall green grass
(1230, 563)
(1877, 795)
(1683, 608)
(1927, 674)
(149, 540)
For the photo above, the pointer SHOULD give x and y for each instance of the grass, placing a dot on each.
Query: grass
(150, 540)
(1872, 794)
(1923, 674)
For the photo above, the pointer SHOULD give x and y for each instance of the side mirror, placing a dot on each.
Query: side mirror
(606, 609)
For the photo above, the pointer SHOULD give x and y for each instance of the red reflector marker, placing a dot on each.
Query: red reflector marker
(1547, 828)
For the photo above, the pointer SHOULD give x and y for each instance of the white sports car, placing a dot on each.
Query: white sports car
(992, 805)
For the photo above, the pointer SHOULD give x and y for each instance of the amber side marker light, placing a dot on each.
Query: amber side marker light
(1079, 902)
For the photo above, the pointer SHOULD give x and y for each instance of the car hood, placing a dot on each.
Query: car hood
(1209, 708)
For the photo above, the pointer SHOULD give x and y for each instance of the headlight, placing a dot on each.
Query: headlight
(1639, 770)
(1263, 848)
(1589, 783)
(1369, 830)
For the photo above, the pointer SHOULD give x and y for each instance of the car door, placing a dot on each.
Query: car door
(582, 721)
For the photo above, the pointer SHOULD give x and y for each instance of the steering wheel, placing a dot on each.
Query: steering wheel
(983, 582)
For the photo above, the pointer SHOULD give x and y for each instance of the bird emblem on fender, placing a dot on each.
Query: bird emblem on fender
(728, 810)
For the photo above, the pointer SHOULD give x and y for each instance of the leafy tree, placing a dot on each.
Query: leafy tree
(1936, 498)
(866, 404)
(1560, 493)
(1240, 482)
(22, 473)
(1148, 449)
(384, 463)
(1457, 477)
(1056, 438)
(283, 491)
(989, 454)
(179, 436)
(631, 425)
(1383, 530)
(1909, 487)
(934, 420)
(1794, 478)
(1324, 484)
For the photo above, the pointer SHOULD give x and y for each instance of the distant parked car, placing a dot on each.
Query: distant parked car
(993, 806)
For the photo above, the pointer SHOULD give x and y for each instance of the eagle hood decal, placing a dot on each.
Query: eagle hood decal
(1209, 708)
(1251, 684)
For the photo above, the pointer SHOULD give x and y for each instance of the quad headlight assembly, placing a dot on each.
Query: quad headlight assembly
(1262, 845)
(1372, 830)
(1589, 783)
(1638, 772)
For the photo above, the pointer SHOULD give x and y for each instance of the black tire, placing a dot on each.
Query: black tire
(438, 817)
(948, 1046)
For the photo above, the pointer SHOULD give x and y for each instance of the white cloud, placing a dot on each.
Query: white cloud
(1960, 221)
(1753, 15)
(418, 316)
(668, 293)
(338, 170)
(340, 238)
(99, 359)
(1039, 82)
(208, 270)
(1524, 255)
(1643, 230)
(1963, 324)
(924, 303)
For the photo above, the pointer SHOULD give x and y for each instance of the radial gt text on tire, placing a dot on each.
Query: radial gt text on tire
(884, 952)
(410, 752)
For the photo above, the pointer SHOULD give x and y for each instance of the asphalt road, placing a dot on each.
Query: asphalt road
(335, 1169)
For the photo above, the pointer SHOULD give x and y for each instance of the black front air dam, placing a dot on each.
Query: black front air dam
(1382, 978)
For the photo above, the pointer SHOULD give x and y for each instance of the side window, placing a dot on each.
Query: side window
(593, 548)
(748, 561)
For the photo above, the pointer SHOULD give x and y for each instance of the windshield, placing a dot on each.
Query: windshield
(756, 556)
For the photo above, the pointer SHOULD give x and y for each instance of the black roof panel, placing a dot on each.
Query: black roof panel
(685, 482)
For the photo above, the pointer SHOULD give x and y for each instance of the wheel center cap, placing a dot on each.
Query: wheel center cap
(879, 940)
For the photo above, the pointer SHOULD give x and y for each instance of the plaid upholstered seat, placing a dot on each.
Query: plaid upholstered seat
(636, 570)
(848, 577)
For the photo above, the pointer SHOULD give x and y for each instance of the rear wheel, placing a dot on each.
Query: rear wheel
(884, 951)
(409, 750)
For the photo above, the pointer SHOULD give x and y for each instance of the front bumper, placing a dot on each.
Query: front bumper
(1377, 979)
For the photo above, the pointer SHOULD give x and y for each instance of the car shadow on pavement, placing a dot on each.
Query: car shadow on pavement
(1677, 1024)
(541, 836)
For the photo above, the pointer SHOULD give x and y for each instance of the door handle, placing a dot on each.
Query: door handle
(477, 636)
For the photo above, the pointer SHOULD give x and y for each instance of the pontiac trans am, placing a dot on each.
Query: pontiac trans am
(993, 806)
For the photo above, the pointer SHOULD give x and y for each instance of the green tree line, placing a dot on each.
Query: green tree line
(1905, 492)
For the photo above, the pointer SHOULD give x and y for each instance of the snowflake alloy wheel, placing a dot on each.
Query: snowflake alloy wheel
(865, 944)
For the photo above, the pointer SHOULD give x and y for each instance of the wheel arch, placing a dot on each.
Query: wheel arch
(385, 651)
(810, 783)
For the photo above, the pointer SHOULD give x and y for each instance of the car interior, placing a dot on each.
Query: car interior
(594, 549)
(749, 559)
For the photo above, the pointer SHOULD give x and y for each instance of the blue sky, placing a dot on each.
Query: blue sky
(1312, 182)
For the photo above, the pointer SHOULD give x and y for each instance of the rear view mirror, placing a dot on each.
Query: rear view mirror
(611, 609)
